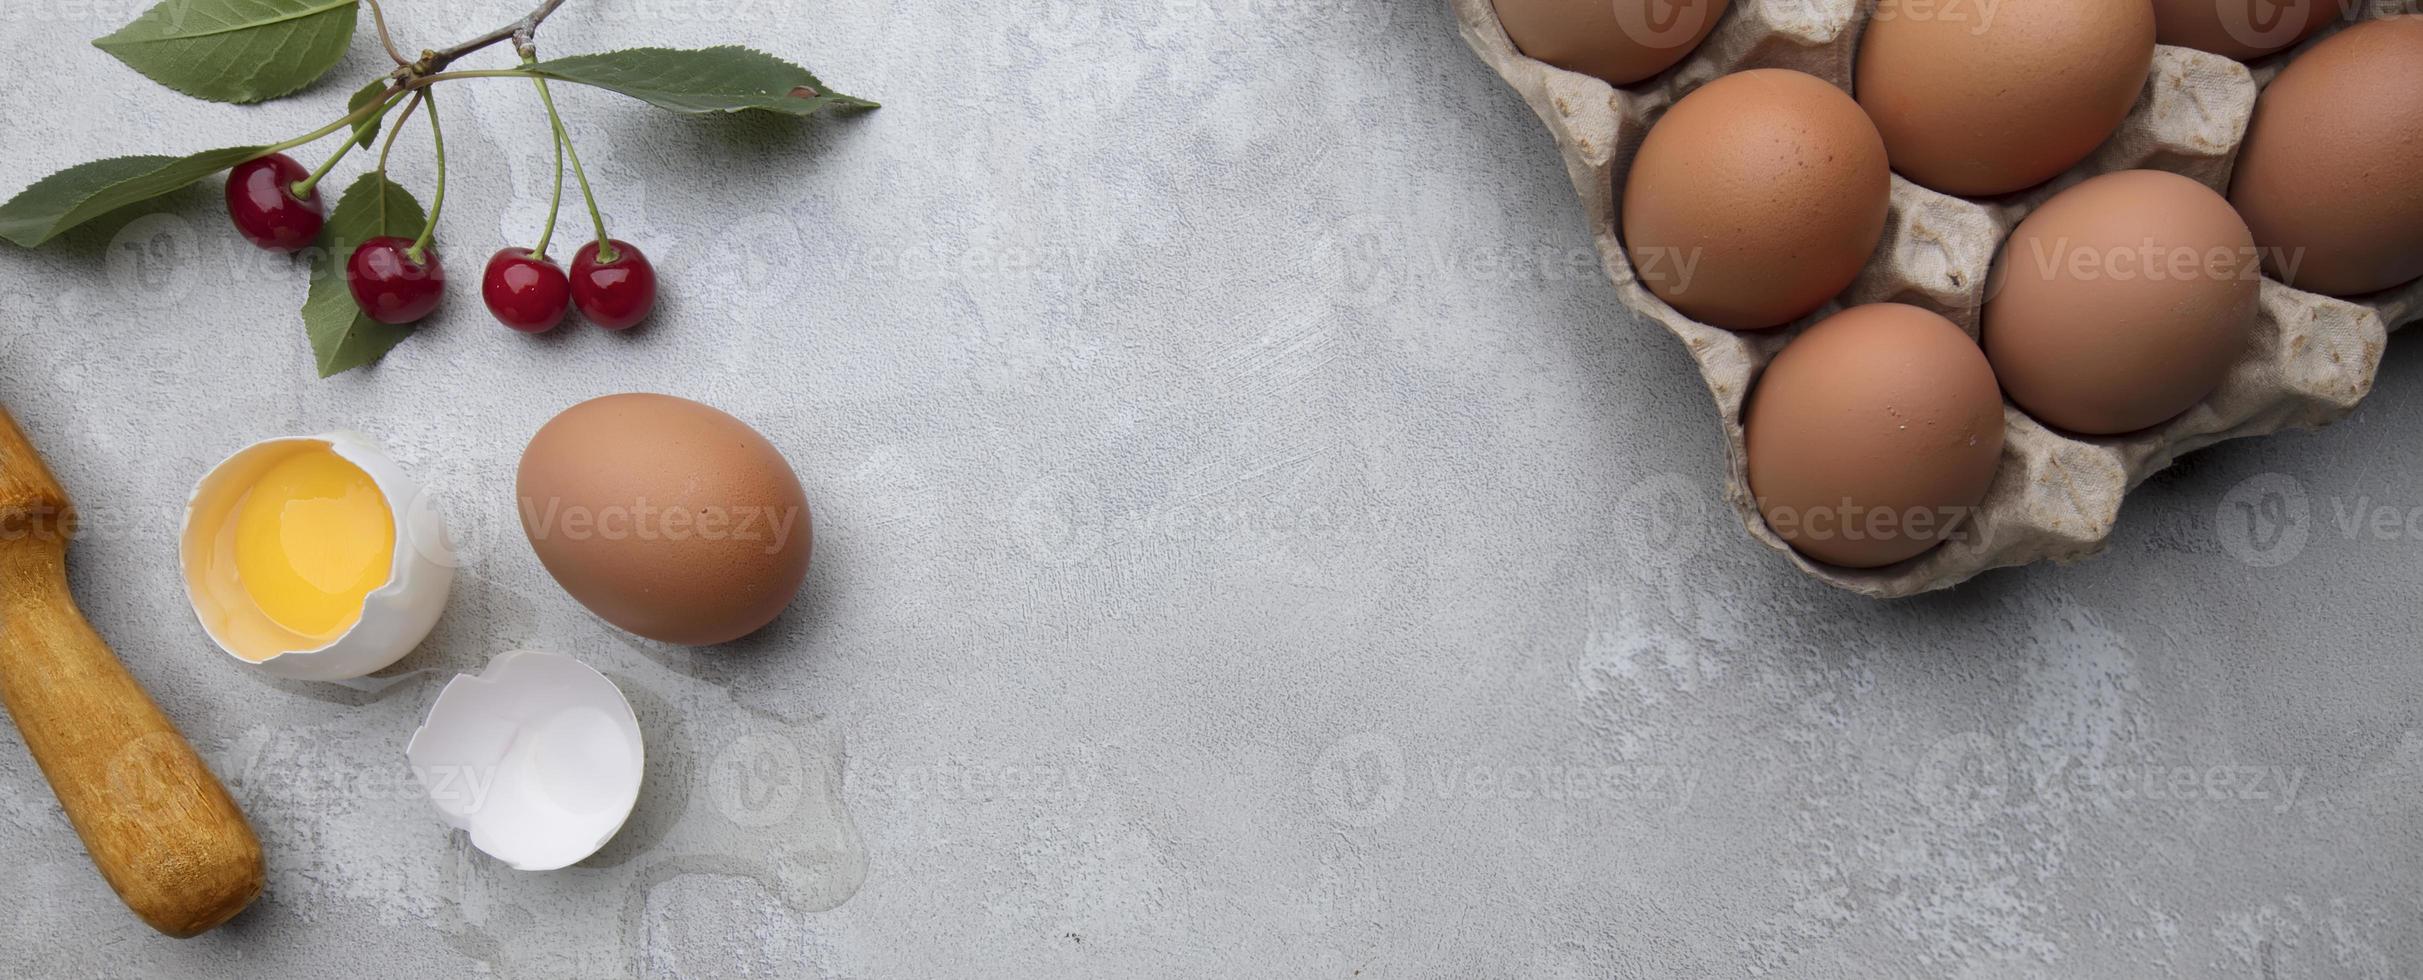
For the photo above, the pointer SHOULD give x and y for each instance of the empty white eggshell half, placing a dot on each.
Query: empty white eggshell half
(539, 757)
(395, 617)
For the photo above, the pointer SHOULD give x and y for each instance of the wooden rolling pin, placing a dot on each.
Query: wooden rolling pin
(160, 827)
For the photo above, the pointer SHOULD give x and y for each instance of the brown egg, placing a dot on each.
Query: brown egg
(1756, 199)
(1622, 41)
(2327, 177)
(2240, 29)
(665, 517)
(1874, 435)
(2121, 302)
(1978, 98)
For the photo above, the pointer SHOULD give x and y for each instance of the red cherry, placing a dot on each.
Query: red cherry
(617, 294)
(388, 285)
(526, 292)
(260, 197)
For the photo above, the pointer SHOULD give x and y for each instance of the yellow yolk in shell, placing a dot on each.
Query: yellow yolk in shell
(313, 538)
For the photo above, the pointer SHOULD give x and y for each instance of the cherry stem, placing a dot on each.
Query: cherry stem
(302, 188)
(413, 77)
(424, 81)
(380, 18)
(389, 145)
(387, 100)
(605, 245)
(555, 203)
(437, 201)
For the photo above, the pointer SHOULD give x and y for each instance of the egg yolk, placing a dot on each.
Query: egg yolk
(313, 537)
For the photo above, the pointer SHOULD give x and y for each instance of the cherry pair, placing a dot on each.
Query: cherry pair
(387, 282)
(530, 293)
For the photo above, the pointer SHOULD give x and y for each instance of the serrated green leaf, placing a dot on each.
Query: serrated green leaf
(89, 190)
(367, 129)
(720, 79)
(342, 338)
(235, 50)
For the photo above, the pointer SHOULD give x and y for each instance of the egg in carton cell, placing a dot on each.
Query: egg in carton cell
(2056, 495)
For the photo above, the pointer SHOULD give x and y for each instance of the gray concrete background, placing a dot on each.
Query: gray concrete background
(1252, 542)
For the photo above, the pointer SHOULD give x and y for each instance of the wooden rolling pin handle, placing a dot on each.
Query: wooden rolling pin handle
(160, 827)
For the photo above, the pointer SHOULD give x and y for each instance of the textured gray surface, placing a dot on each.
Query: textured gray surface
(1252, 541)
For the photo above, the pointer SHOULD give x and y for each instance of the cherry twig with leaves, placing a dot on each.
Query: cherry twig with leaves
(252, 50)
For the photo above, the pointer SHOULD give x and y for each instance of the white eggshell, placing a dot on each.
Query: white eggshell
(395, 616)
(539, 757)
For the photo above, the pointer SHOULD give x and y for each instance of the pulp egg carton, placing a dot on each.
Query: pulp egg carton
(2310, 360)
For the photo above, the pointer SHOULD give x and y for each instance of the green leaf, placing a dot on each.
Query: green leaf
(367, 129)
(89, 190)
(235, 50)
(721, 79)
(342, 338)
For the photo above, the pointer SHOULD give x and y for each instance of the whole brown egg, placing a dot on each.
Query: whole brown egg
(1981, 98)
(1622, 41)
(2327, 176)
(2121, 302)
(1874, 435)
(665, 517)
(1756, 199)
(2240, 29)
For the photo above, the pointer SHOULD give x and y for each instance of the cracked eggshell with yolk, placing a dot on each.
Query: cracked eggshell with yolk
(539, 757)
(395, 616)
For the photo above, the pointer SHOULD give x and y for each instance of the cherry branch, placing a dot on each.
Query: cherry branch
(519, 32)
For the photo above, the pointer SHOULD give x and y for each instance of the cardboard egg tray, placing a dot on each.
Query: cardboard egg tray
(2056, 495)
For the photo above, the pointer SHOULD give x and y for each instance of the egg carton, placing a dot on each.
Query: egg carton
(2056, 495)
